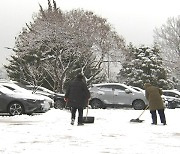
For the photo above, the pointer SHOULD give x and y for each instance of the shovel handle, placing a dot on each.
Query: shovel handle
(87, 108)
(86, 112)
(143, 111)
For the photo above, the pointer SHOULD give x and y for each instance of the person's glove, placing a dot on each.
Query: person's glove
(66, 99)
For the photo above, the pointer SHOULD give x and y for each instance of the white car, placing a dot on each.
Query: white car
(116, 94)
(14, 87)
(173, 98)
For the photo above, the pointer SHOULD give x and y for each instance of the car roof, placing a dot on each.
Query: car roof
(39, 88)
(6, 90)
(138, 89)
(101, 84)
(13, 86)
(120, 84)
(173, 90)
(11, 93)
(25, 92)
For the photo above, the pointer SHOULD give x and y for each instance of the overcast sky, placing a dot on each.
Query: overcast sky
(133, 19)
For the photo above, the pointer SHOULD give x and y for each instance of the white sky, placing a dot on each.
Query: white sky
(133, 19)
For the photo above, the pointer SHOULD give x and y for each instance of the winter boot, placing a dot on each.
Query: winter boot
(72, 121)
(80, 124)
(154, 123)
(80, 121)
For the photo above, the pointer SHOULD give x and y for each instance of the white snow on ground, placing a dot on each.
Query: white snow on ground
(111, 133)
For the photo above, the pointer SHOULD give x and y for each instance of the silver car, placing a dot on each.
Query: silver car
(173, 98)
(116, 94)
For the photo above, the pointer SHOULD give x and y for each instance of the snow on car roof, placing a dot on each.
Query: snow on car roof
(9, 92)
(6, 90)
(43, 89)
(173, 90)
(100, 84)
(20, 92)
(115, 83)
(13, 86)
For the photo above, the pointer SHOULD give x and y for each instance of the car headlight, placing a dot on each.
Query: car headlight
(31, 101)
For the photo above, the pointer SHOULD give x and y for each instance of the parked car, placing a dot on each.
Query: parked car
(58, 98)
(138, 89)
(34, 90)
(173, 98)
(116, 94)
(17, 104)
(14, 87)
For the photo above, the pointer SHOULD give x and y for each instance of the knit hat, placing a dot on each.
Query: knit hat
(147, 85)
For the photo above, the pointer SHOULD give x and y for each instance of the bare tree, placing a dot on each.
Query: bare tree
(168, 38)
(62, 44)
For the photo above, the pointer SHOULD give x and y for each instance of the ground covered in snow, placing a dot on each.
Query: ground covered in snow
(111, 133)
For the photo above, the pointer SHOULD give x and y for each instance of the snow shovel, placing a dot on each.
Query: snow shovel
(138, 120)
(88, 119)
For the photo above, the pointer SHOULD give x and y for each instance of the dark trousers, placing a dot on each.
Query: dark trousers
(161, 115)
(80, 113)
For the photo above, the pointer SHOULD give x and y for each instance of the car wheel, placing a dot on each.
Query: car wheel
(15, 108)
(59, 104)
(96, 104)
(138, 105)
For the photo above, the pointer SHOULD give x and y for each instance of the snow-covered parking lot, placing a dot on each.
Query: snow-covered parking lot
(111, 133)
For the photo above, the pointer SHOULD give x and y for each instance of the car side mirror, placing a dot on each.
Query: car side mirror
(128, 91)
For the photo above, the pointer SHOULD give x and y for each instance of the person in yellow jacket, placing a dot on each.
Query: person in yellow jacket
(153, 95)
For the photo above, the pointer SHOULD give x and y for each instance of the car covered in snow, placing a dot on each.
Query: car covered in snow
(19, 90)
(173, 98)
(58, 98)
(116, 94)
(17, 104)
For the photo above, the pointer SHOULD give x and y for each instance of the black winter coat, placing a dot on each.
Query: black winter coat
(77, 94)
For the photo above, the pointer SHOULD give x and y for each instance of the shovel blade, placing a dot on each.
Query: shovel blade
(136, 120)
(88, 119)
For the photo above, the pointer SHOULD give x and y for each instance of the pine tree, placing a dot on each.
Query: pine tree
(144, 65)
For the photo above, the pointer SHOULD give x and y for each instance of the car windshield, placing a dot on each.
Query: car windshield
(136, 88)
(112, 87)
(171, 94)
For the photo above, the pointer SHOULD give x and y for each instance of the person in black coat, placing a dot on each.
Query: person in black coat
(77, 96)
